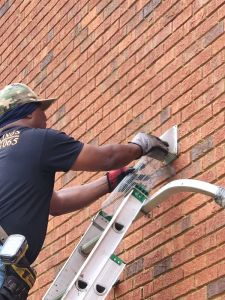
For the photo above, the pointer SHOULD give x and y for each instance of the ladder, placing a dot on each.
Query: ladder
(92, 268)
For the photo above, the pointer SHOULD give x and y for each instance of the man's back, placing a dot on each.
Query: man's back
(29, 159)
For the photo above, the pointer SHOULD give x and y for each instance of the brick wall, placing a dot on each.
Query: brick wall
(118, 67)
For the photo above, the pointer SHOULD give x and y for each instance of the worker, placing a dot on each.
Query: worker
(30, 155)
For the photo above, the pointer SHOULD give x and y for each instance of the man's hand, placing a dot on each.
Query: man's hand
(115, 177)
(149, 143)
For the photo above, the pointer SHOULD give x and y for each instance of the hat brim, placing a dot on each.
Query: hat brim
(46, 102)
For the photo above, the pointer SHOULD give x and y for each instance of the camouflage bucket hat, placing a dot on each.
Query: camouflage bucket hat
(17, 94)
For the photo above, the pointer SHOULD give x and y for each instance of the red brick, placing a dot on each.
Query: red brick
(220, 170)
(127, 16)
(153, 55)
(213, 34)
(172, 215)
(172, 67)
(126, 66)
(213, 64)
(153, 30)
(206, 26)
(180, 75)
(215, 255)
(201, 58)
(220, 268)
(173, 12)
(220, 223)
(143, 277)
(213, 157)
(173, 246)
(148, 289)
(173, 276)
(171, 95)
(209, 176)
(201, 117)
(212, 6)
(184, 287)
(126, 41)
(173, 39)
(205, 244)
(160, 91)
(106, 134)
(219, 73)
(192, 51)
(182, 225)
(152, 257)
(205, 212)
(191, 141)
(192, 23)
(182, 18)
(144, 25)
(133, 239)
(162, 35)
(194, 266)
(206, 276)
(185, 43)
(109, 81)
(165, 294)
(164, 7)
(218, 45)
(199, 294)
(135, 46)
(152, 228)
(165, 60)
(192, 80)
(123, 287)
(213, 125)
(136, 294)
(212, 94)
(221, 13)
(194, 234)
(141, 79)
(182, 162)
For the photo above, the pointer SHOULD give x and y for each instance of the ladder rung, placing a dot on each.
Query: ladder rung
(59, 296)
(86, 248)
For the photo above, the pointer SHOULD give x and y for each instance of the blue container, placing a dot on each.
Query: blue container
(2, 270)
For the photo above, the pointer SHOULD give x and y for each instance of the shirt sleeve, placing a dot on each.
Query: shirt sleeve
(59, 151)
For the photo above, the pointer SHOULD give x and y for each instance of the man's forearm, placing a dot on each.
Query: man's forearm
(106, 158)
(75, 198)
(121, 155)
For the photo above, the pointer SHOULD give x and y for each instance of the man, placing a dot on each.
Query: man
(30, 155)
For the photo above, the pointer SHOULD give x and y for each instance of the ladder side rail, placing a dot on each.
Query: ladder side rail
(106, 245)
(75, 261)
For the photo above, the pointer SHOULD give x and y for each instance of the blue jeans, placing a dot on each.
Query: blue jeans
(2, 271)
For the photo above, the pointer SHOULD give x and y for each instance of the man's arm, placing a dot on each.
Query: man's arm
(105, 158)
(92, 159)
(71, 199)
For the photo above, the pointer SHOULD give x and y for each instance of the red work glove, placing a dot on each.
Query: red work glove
(115, 177)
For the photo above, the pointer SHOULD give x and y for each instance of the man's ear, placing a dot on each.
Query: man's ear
(30, 116)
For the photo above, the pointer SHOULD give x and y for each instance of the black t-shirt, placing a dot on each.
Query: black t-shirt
(29, 159)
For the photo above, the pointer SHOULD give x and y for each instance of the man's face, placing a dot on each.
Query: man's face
(39, 118)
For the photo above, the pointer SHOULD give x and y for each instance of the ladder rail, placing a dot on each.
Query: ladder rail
(107, 244)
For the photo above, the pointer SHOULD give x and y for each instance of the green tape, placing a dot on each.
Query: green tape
(104, 215)
(116, 259)
(140, 195)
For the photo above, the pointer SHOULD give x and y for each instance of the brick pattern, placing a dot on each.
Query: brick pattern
(118, 67)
